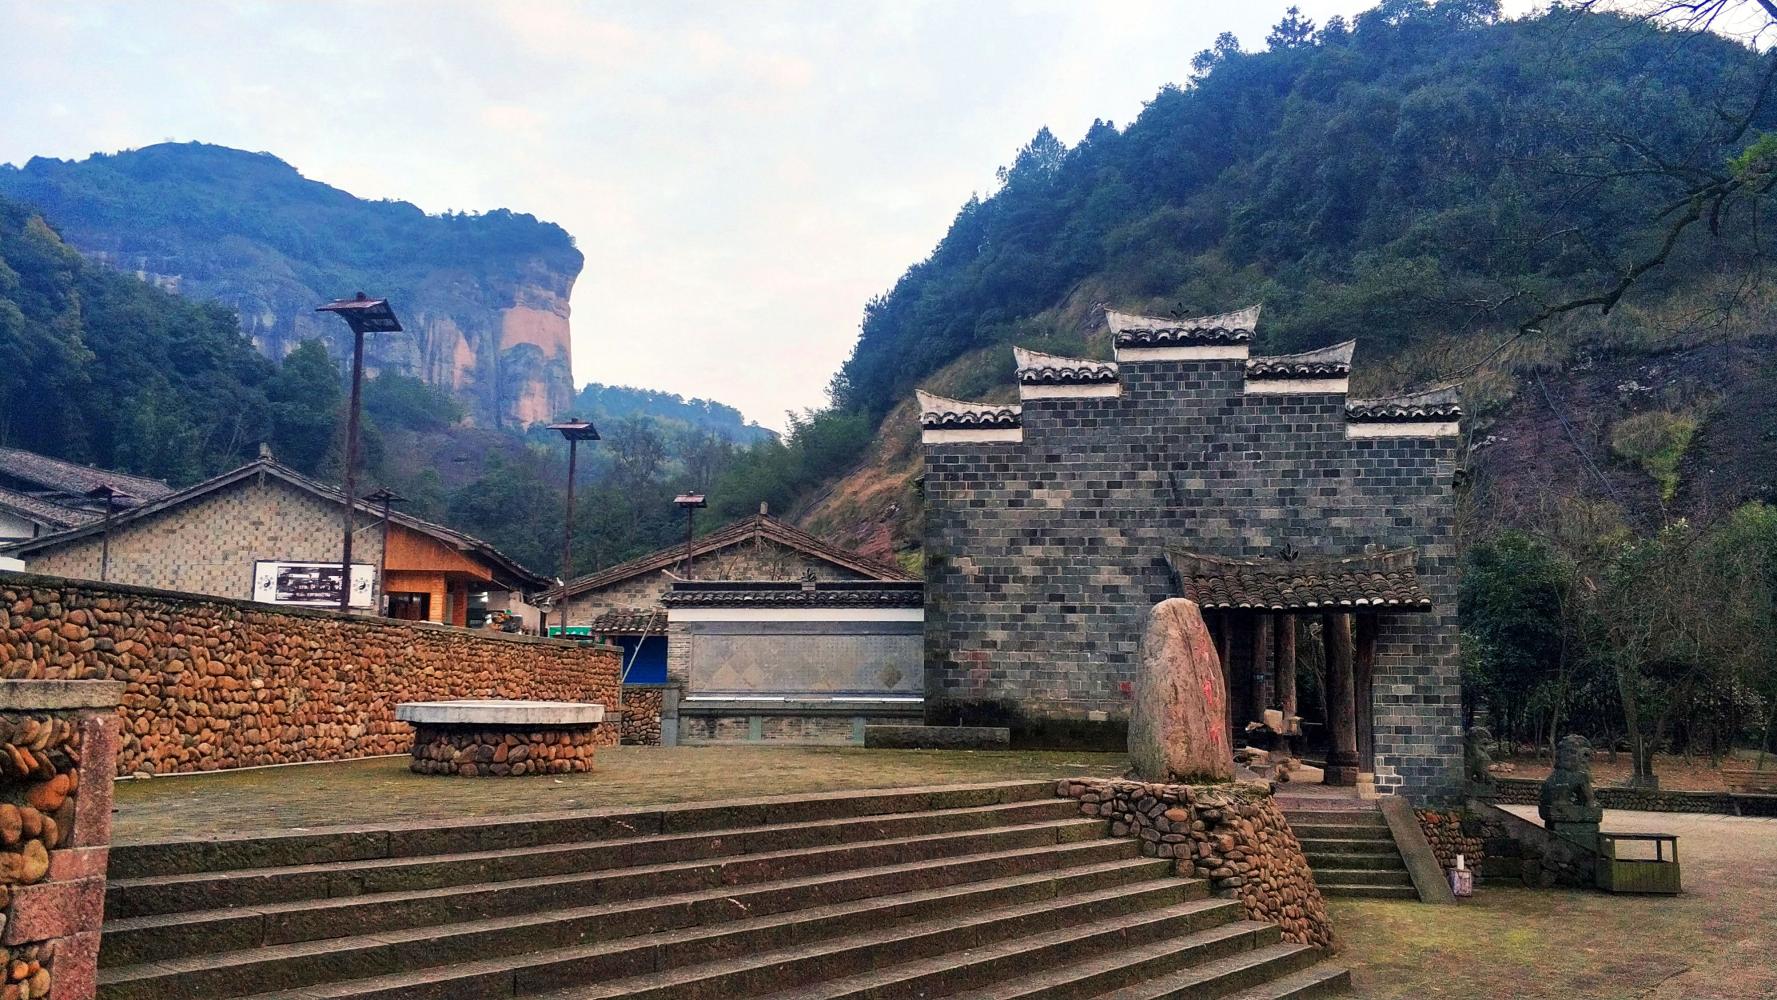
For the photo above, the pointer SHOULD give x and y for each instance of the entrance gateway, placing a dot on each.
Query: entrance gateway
(1187, 467)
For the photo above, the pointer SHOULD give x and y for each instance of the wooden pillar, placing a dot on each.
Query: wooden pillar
(1286, 674)
(1363, 673)
(1261, 673)
(1225, 650)
(1286, 665)
(1342, 761)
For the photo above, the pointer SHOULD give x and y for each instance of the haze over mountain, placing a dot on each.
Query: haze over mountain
(483, 298)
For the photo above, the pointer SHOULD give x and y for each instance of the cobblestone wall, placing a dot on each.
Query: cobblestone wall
(1043, 555)
(641, 716)
(57, 743)
(214, 683)
(1451, 832)
(1528, 792)
(1232, 835)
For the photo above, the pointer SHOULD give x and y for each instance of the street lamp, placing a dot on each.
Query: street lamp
(110, 496)
(689, 502)
(575, 431)
(385, 497)
(363, 315)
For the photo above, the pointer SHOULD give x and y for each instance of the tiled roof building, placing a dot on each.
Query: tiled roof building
(1187, 466)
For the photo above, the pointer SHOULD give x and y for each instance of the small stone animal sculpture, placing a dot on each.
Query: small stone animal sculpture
(1568, 806)
(1477, 762)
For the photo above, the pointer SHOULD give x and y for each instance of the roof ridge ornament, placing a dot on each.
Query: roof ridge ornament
(1136, 330)
(937, 411)
(1037, 368)
(943, 420)
(1432, 412)
(1322, 362)
(1439, 402)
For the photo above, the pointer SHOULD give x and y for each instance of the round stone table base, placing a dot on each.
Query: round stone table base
(483, 751)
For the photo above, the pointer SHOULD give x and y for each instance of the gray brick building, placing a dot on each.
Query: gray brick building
(1049, 522)
(782, 637)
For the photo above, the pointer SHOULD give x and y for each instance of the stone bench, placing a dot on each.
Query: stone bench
(495, 738)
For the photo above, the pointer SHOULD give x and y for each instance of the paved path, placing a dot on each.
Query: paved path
(368, 791)
(1717, 941)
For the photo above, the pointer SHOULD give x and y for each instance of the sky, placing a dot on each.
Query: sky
(741, 176)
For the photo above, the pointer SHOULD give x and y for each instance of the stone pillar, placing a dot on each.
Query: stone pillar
(1363, 674)
(1261, 675)
(1342, 760)
(58, 756)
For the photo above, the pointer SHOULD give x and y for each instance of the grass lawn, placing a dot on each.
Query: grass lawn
(382, 789)
(1715, 941)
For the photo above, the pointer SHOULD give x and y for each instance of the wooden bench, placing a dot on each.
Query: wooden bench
(1751, 780)
(1658, 874)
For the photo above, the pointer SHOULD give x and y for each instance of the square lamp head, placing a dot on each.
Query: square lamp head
(364, 314)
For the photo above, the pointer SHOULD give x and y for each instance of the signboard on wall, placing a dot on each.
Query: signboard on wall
(311, 584)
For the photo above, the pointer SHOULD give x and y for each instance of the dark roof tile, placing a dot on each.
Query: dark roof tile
(1383, 580)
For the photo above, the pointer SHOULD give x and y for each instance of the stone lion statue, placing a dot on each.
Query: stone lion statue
(1477, 762)
(1567, 792)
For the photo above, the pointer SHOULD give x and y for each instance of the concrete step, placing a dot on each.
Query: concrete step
(924, 961)
(1334, 889)
(1242, 970)
(626, 947)
(1334, 831)
(1034, 967)
(1370, 816)
(1374, 860)
(154, 894)
(1321, 846)
(1321, 980)
(1132, 965)
(156, 938)
(752, 956)
(1363, 876)
(427, 837)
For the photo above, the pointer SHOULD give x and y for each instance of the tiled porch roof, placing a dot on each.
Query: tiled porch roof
(1379, 581)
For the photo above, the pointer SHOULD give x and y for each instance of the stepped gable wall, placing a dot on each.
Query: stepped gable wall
(1047, 524)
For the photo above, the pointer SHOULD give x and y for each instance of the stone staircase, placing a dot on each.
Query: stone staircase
(1350, 848)
(989, 891)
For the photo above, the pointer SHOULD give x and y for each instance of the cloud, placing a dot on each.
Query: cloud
(760, 170)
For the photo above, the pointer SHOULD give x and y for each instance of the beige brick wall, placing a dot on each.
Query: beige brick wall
(208, 546)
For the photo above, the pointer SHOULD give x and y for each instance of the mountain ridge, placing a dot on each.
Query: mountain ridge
(483, 297)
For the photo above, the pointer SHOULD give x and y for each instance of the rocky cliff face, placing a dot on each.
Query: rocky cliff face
(483, 299)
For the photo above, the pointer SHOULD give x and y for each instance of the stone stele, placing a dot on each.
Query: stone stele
(1178, 725)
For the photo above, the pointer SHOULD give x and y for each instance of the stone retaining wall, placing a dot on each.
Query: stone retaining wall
(57, 743)
(216, 683)
(1451, 832)
(1528, 791)
(1232, 835)
(500, 753)
(1517, 849)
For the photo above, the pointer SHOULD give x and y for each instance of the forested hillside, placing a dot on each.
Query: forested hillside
(104, 368)
(483, 296)
(1426, 170)
(1566, 212)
